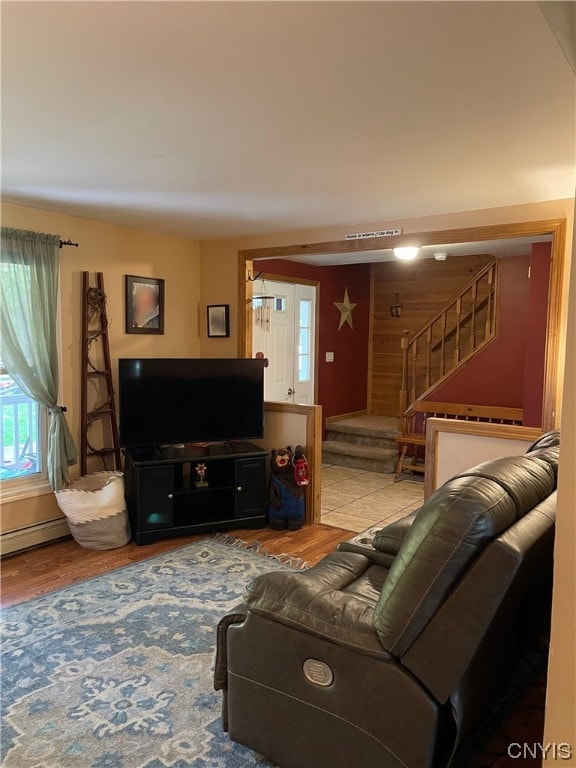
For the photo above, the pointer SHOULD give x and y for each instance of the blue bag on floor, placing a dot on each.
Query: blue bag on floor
(286, 507)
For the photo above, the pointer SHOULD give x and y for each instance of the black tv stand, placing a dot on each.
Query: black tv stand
(165, 495)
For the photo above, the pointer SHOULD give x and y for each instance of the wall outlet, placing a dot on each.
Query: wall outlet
(329, 357)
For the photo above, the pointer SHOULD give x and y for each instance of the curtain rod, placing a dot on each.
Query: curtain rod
(68, 242)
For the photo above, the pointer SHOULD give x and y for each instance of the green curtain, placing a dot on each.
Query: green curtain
(28, 312)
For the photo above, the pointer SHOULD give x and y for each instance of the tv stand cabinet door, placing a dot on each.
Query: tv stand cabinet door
(250, 487)
(155, 493)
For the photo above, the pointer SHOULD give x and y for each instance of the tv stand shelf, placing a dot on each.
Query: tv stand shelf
(164, 501)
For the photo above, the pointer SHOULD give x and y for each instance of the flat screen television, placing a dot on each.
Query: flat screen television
(187, 400)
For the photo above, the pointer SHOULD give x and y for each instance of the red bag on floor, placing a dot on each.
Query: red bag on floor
(301, 473)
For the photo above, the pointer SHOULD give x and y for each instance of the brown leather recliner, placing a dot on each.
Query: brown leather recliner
(385, 658)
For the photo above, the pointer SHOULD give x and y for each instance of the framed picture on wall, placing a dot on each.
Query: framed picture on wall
(218, 321)
(144, 305)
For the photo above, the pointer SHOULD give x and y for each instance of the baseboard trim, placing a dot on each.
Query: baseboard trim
(31, 536)
(351, 415)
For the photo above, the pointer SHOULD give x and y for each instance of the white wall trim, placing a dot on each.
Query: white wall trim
(24, 488)
(14, 541)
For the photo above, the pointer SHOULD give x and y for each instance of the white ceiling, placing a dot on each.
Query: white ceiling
(513, 246)
(215, 119)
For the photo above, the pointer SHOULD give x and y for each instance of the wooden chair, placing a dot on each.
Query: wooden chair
(412, 433)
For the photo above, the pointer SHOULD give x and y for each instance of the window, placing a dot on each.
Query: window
(23, 424)
(304, 340)
(22, 432)
(280, 304)
(29, 316)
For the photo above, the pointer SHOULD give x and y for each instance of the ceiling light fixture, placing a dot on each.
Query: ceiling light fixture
(406, 253)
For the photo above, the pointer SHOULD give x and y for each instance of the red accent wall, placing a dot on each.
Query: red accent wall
(495, 376)
(343, 384)
(535, 359)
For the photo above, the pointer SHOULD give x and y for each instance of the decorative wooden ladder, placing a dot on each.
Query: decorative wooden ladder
(97, 368)
(465, 324)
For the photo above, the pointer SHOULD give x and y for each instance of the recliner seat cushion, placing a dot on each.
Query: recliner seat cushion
(452, 528)
(334, 599)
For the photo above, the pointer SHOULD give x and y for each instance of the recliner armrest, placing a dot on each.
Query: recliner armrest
(315, 602)
(237, 615)
(390, 538)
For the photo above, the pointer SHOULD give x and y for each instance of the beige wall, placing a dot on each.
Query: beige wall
(561, 691)
(115, 251)
(456, 452)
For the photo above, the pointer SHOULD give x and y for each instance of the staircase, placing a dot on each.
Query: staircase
(456, 332)
(367, 443)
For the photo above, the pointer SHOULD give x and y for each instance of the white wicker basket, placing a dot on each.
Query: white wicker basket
(95, 508)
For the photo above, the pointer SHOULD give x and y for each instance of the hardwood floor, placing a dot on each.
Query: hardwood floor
(53, 566)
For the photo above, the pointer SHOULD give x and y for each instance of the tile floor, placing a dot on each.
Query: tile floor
(355, 500)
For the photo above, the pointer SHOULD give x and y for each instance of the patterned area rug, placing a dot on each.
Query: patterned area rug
(116, 672)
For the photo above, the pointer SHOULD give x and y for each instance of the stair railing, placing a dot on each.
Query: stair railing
(464, 324)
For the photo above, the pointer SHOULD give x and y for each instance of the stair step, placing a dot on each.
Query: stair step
(372, 426)
(366, 457)
(353, 438)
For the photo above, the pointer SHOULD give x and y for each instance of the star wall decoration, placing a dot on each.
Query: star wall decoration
(345, 308)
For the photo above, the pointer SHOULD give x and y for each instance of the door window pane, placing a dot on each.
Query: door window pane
(280, 304)
(304, 340)
(303, 368)
(305, 308)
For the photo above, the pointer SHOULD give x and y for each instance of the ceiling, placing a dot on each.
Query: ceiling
(513, 246)
(222, 119)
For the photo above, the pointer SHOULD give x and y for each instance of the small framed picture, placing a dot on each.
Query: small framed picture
(144, 305)
(219, 321)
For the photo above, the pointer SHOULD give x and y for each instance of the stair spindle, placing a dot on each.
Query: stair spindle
(414, 368)
(458, 320)
(443, 344)
(488, 328)
(428, 355)
(474, 290)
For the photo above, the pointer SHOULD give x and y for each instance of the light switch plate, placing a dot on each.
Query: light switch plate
(329, 357)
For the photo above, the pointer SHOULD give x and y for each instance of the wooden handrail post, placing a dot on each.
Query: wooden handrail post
(404, 344)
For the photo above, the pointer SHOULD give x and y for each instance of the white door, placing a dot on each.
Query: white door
(284, 333)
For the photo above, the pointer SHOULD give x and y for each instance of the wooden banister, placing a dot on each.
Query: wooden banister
(488, 269)
(493, 412)
(455, 331)
(450, 337)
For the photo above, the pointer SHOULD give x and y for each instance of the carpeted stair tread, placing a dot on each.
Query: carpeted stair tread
(383, 427)
(363, 451)
(380, 441)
